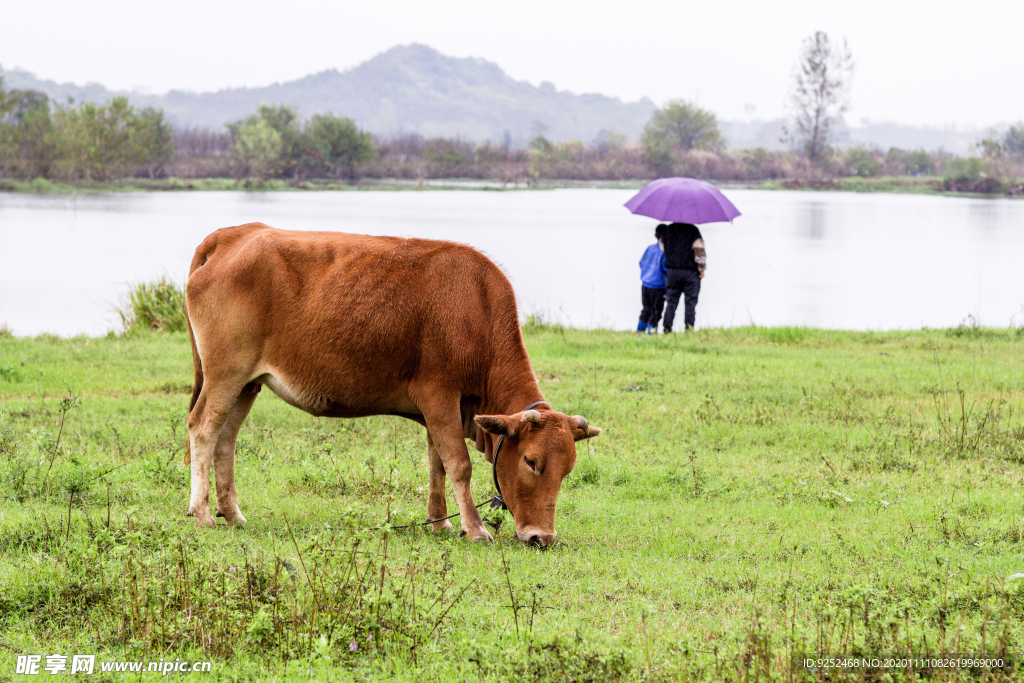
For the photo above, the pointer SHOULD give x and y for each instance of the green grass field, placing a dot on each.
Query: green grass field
(757, 494)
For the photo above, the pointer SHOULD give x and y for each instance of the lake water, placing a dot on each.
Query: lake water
(837, 260)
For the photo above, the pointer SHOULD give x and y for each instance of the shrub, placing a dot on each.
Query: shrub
(258, 148)
(967, 170)
(157, 305)
(337, 144)
(970, 175)
(862, 163)
(101, 142)
(680, 126)
(903, 162)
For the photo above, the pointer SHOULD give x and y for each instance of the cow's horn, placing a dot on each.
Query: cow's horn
(581, 423)
(531, 416)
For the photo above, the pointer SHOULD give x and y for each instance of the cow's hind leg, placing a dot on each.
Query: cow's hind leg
(224, 456)
(437, 507)
(205, 423)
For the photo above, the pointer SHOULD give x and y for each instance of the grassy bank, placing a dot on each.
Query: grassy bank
(897, 185)
(891, 185)
(756, 494)
(43, 186)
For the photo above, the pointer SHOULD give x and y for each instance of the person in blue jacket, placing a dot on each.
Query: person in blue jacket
(652, 279)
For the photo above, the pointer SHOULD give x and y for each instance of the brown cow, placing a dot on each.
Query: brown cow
(344, 325)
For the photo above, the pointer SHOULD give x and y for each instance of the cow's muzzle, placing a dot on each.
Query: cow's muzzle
(536, 537)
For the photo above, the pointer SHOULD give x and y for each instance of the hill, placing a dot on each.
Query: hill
(408, 89)
(415, 89)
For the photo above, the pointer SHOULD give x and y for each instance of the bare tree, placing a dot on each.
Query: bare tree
(821, 92)
(1013, 141)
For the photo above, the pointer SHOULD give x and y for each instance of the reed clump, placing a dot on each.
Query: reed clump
(154, 306)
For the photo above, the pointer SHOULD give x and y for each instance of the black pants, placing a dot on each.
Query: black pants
(681, 282)
(653, 301)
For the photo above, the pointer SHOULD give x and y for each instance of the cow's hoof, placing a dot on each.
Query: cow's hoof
(201, 516)
(232, 515)
(238, 519)
(442, 526)
(480, 534)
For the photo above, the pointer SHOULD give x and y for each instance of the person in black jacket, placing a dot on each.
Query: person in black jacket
(685, 260)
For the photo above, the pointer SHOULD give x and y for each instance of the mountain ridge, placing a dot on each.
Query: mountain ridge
(407, 89)
(416, 89)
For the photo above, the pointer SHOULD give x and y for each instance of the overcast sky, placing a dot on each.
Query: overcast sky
(916, 62)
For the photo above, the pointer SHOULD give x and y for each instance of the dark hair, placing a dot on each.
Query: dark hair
(659, 232)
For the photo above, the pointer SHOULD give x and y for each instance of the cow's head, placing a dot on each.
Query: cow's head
(538, 451)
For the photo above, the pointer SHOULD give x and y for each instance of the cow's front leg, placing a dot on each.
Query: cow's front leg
(224, 457)
(446, 432)
(437, 506)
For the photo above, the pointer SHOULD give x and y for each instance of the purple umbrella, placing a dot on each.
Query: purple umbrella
(682, 200)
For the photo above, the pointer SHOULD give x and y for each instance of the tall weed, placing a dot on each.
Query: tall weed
(154, 306)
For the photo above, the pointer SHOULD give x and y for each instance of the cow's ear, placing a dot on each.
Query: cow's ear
(582, 430)
(496, 424)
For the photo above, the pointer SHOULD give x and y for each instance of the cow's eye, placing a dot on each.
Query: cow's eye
(531, 463)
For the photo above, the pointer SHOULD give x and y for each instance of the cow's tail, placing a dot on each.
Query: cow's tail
(197, 386)
(200, 258)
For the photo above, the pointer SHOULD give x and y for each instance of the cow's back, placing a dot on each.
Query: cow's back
(340, 324)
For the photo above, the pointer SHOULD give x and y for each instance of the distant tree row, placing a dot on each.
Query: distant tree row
(39, 138)
(93, 142)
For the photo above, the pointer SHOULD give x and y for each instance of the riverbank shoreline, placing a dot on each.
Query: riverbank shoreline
(932, 185)
(780, 334)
